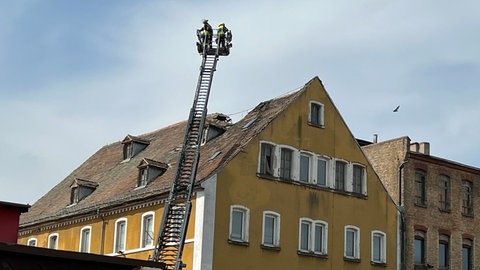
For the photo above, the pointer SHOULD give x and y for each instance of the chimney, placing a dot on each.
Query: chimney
(424, 148)
(375, 138)
(414, 147)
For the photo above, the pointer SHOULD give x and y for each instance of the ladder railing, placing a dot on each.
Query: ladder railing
(171, 237)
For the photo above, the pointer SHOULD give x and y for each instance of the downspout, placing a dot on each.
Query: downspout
(401, 209)
(102, 232)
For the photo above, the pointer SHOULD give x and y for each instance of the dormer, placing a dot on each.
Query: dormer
(215, 125)
(148, 170)
(80, 189)
(132, 146)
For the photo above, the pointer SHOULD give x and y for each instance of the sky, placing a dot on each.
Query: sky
(78, 75)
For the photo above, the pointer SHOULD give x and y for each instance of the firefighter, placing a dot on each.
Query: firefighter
(221, 33)
(206, 32)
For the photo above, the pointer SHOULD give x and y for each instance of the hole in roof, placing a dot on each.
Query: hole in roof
(249, 123)
(215, 155)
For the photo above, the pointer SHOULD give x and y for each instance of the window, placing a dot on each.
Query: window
(266, 159)
(286, 162)
(419, 247)
(443, 252)
(80, 189)
(379, 247)
(340, 174)
(120, 235)
(146, 237)
(467, 202)
(305, 168)
(322, 165)
(467, 260)
(148, 170)
(85, 236)
(316, 114)
(420, 192)
(133, 145)
(444, 192)
(358, 178)
(313, 236)
(53, 241)
(271, 229)
(352, 242)
(239, 217)
(32, 242)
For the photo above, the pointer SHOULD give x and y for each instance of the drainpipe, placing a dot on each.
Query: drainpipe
(401, 210)
(102, 232)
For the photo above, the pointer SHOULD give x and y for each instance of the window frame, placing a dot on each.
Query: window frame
(276, 229)
(467, 198)
(81, 246)
(317, 120)
(345, 175)
(420, 187)
(244, 237)
(382, 249)
(312, 237)
(444, 200)
(263, 163)
(421, 236)
(310, 169)
(30, 240)
(144, 232)
(287, 167)
(50, 237)
(116, 240)
(327, 161)
(443, 241)
(467, 244)
(363, 178)
(355, 245)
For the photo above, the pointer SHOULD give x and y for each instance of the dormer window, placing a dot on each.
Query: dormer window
(215, 125)
(80, 189)
(133, 145)
(148, 170)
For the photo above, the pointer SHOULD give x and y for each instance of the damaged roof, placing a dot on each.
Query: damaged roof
(117, 178)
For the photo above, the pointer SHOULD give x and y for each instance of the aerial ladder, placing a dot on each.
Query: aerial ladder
(173, 229)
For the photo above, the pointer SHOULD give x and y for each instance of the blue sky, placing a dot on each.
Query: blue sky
(77, 75)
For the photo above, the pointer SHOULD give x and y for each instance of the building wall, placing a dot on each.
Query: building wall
(9, 223)
(238, 184)
(438, 222)
(103, 233)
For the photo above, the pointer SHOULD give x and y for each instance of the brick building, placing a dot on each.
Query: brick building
(440, 204)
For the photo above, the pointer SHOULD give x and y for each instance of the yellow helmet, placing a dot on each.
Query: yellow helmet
(221, 24)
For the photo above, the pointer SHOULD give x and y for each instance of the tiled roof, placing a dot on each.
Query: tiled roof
(117, 178)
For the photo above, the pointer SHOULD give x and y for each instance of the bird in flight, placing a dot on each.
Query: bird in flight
(396, 109)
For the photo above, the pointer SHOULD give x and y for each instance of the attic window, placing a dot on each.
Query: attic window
(80, 189)
(148, 170)
(133, 145)
(316, 115)
(215, 155)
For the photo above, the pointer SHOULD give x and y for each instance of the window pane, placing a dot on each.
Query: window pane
(147, 231)
(304, 168)
(466, 258)
(85, 244)
(319, 238)
(350, 244)
(419, 249)
(53, 242)
(269, 230)
(305, 236)
(237, 225)
(420, 197)
(377, 248)
(266, 159)
(322, 172)
(286, 163)
(357, 178)
(443, 255)
(121, 236)
(340, 175)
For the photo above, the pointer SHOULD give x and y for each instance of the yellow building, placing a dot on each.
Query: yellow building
(286, 187)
